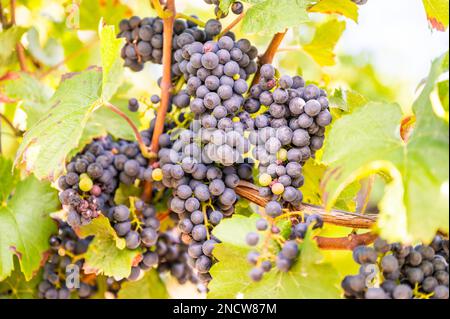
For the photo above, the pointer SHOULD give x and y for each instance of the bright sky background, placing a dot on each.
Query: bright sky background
(395, 33)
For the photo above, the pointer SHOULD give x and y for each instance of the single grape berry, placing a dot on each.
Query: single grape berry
(237, 7)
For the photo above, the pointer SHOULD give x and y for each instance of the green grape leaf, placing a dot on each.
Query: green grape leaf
(50, 54)
(245, 208)
(25, 226)
(103, 121)
(107, 254)
(33, 94)
(325, 39)
(224, 5)
(443, 91)
(346, 8)
(273, 16)
(9, 38)
(437, 13)
(149, 287)
(113, 123)
(124, 192)
(112, 11)
(313, 193)
(417, 168)
(111, 61)
(45, 146)
(347, 100)
(8, 177)
(17, 287)
(310, 276)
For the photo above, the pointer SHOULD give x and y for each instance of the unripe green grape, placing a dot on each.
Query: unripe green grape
(265, 179)
(157, 175)
(85, 183)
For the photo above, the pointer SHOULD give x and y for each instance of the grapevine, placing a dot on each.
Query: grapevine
(233, 153)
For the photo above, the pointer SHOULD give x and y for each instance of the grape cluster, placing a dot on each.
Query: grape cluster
(138, 226)
(93, 176)
(64, 247)
(173, 257)
(288, 131)
(144, 39)
(360, 2)
(236, 7)
(203, 194)
(216, 74)
(288, 252)
(405, 272)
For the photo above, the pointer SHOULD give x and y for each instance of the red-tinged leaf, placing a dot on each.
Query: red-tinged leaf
(437, 13)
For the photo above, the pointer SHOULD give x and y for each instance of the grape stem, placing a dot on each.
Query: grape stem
(145, 151)
(198, 22)
(166, 84)
(268, 56)
(205, 219)
(8, 122)
(232, 25)
(335, 217)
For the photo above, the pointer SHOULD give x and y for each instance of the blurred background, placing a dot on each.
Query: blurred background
(383, 57)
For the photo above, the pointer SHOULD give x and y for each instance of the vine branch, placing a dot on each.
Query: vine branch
(345, 243)
(335, 217)
(268, 56)
(166, 85)
(250, 192)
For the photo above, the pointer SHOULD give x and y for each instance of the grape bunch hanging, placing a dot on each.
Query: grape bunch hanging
(218, 132)
(201, 162)
(399, 271)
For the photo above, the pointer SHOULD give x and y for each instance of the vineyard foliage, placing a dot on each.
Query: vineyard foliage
(63, 85)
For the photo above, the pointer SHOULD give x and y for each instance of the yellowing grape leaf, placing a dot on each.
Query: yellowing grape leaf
(25, 226)
(107, 254)
(46, 145)
(322, 45)
(369, 141)
(347, 8)
(310, 276)
(149, 287)
(437, 13)
(271, 16)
